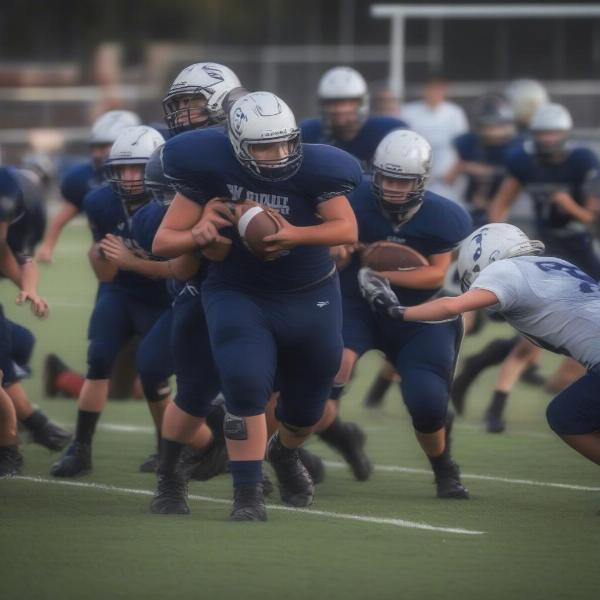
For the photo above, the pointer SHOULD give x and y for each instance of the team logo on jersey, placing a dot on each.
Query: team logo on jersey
(322, 303)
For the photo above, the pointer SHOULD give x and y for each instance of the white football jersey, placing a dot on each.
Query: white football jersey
(550, 301)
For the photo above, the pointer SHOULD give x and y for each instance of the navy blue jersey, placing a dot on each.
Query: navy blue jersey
(25, 211)
(202, 165)
(470, 148)
(106, 215)
(363, 145)
(78, 181)
(144, 225)
(438, 227)
(541, 180)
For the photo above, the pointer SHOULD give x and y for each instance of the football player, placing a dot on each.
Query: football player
(179, 341)
(280, 316)
(548, 299)
(554, 174)
(77, 182)
(345, 122)
(130, 303)
(84, 177)
(394, 206)
(22, 219)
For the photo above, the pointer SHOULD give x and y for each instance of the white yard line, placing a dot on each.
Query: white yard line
(320, 513)
(396, 468)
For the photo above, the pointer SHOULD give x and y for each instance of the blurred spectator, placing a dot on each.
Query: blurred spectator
(439, 121)
(384, 102)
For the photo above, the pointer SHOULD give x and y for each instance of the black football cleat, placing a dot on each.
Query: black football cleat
(77, 460)
(170, 497)
(350, 441)
(51, 436)
(314, 465)
(248, 503)
(150, 464)
(494, 423)
(53, 367)
(11, 461)
(296, 488)
(204, 464)
(447, 481)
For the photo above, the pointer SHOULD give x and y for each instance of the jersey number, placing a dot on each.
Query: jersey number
(587, 285)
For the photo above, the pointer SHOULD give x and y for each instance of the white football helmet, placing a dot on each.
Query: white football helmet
(133, 147)
(210, 81)
(405, 155)
(107, 127)
(525, 97)
(551, 127)
(264, 118)
(489, 244)
(343, 83)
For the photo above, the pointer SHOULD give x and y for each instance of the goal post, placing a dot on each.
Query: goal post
(399, 13)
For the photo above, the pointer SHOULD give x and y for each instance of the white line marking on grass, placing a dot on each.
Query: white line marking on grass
(398, 469)
(308, 511)
(126, 428)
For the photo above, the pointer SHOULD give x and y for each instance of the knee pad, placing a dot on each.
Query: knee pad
(156, 391)
(235, 428)
(424, 424)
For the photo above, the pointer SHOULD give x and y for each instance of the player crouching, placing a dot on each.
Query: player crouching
(549, 300)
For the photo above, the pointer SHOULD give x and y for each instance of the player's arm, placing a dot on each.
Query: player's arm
(66, 213)
(427, 277)
(188, 226)
(8, 263)
(446, 308)
(338, 227)
(115, 251)
(104, 270)
(585, 214)
(504, 199)
(377, 292)
(29, 292)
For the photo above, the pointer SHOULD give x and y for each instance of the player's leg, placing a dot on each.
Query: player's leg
(568, 372)
(42, 430)
(154, 363)
(10, 457)
(348, 438)
(522, 356)
(382, 382)
(308, 328)
(110, 327)
(574, 415)
(425, 362)
(492, 354)
(197, 387)
(245, 354)
(124, 378)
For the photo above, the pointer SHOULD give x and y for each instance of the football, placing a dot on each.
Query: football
(254, 224)
(389, 256)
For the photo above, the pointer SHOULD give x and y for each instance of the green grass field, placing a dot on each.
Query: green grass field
(531, 529)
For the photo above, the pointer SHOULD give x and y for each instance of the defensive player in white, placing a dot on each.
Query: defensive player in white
(549, 300)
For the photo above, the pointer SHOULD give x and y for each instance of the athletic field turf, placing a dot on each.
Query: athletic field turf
(530, 530)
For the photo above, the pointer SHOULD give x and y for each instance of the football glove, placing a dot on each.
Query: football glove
(377, 292)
